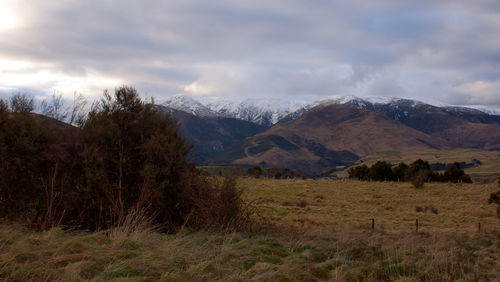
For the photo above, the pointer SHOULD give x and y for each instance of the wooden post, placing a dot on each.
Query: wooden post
(373, 224)
(416, 225)
(479, 227)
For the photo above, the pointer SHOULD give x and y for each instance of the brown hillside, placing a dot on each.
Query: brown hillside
(460, 129)
(328, 137)
(360, 131)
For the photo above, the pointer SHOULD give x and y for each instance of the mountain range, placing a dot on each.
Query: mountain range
(321, 136)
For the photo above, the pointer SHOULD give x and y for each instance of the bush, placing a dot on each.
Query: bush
(418, 180)
(455, 174)
(217, 206)
(132, 157)
(495, 199)
(381, 171)
(126, 158)
(419, 167)
(34, 157)
(361, 172)
(277, 175)
(257, 171)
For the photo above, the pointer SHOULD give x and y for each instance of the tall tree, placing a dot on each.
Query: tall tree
(133, 155)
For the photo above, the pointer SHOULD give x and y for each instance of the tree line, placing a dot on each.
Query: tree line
(121, 158)
(417, 172)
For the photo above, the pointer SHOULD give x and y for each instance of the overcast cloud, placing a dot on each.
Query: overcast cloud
(297, 49)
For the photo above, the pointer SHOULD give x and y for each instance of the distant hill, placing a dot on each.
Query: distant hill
(326, 137)
(329, 134)
(211, 135)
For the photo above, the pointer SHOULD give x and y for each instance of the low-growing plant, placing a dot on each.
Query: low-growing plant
(418, 180)
(495, 199)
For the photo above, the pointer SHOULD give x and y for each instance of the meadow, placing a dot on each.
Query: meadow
(303, 230)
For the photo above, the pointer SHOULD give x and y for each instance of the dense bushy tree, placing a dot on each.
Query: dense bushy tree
(132, 156)
(126, 158)
(399, 171)
(381, 171)
(416, 166)
(361, 172)
(31, 155)
(418, 173)
(455, 174)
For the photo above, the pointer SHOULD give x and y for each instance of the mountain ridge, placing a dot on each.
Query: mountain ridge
(268, 112)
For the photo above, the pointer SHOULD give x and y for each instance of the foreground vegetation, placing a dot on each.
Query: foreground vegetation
(308, 230)
(124, 158)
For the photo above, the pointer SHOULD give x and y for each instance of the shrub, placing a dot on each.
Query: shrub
(256, 171)
(495, 199)
(126, 158)
(361, 172)
(415, 168)
(216, 206)
(381, 171)
(277, 175)
(34, 155)
(418, 180)
(399, 171)
(455, 174)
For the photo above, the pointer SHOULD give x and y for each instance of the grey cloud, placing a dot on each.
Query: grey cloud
(281, 48)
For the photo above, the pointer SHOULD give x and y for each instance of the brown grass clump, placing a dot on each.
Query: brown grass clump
(418, 180)
(219, 206)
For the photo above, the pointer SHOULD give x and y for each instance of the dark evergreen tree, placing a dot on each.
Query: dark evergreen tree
(381, 171)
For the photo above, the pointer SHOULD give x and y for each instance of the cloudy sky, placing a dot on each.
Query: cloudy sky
(295, 49)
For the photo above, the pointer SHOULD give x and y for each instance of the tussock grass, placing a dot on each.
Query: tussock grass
(329, 239)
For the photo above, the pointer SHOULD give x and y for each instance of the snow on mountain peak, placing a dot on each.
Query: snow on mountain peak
(185, 103)
(261, 111)
(270, 111)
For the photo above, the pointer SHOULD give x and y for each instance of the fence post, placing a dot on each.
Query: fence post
(479, 227)
(373, 224)
(416, 225)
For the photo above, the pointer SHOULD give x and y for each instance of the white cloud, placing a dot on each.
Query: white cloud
(479, 92)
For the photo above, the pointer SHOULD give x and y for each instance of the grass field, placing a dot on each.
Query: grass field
(307, 230)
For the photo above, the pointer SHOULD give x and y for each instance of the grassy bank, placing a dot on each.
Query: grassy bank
(314, 230)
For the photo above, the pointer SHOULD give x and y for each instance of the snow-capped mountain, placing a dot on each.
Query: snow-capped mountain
(394, 107)
(264, 112)
(261, 111)
(268, 112)
(187, 104)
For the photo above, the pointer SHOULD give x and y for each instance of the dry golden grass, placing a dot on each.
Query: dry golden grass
(393, 205)
(316, 230)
